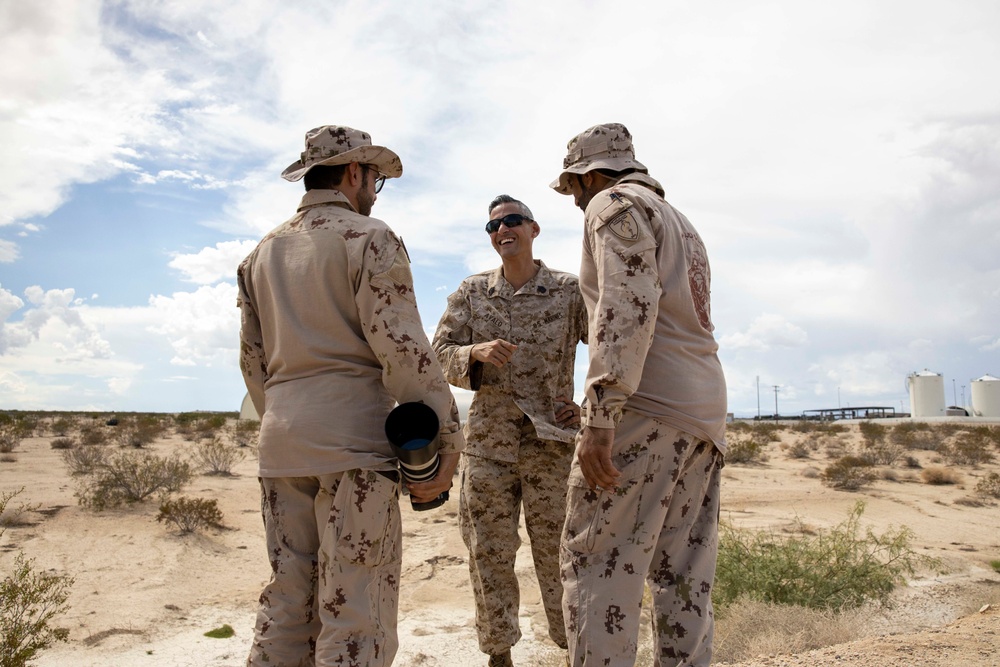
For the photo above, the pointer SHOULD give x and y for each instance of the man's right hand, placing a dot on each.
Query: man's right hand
(497, 352)
(593, 450)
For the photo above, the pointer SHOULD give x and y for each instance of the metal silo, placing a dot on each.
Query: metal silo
(986, 396)
(926, 394)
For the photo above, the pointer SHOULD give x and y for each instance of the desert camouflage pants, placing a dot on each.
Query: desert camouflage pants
(492, 493)
(660, 525)
(334, 546)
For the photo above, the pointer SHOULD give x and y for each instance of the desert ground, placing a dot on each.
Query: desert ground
(145, 594)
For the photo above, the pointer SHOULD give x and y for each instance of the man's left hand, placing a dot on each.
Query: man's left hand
(569, 413)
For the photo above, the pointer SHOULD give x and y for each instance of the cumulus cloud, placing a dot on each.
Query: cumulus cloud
(201, 326)
(210, 265)
(765, 332)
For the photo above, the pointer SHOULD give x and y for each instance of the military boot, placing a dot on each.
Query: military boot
(500, 660)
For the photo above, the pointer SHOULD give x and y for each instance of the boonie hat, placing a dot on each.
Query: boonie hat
(605, 146)
(339, 144)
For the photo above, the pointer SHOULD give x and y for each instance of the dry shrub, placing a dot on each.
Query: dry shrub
(811, 426)
(63, 443)
(216, 457)
(970, 448)
(989, 486)
(849, 473)
(915, 435)
(10, 438)
(811, 472)
(800, 449)
(939, 476)
(751, 628)
(92, 434)
(84, 460)
(190, 514)
(131, 477)
(62, 426)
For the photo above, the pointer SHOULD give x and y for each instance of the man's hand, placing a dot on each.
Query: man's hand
(593, 450)
(425, 492)
(567, 412)
(497, 352)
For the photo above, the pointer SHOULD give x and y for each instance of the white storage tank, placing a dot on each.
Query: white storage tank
(986, 396)
(926, 394)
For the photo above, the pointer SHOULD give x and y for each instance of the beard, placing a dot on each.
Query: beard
(365, 199)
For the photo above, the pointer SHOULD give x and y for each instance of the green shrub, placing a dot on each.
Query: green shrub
(190, 514)
(872, 433)
(216, 457)
(837, 569)
(225, 632)
(62, 426)
(744, 448)
(849, 473)
(969, 448)
(915, 435)
(131, 477)
(29, 602)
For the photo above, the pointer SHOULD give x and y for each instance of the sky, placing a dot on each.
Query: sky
(840, 160)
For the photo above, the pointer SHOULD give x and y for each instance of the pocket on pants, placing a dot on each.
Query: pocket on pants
(369, 533)
(598, 520)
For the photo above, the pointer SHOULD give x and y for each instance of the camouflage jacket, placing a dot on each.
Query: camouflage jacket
(646, 280)
(546, 319)
(331, 339)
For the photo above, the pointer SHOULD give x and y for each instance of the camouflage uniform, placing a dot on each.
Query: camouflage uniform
(330, 340)
(655, 378)
(516, 451)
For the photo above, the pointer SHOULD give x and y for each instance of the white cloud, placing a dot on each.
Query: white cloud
(201, 326)
(767, 331)
(210, 265)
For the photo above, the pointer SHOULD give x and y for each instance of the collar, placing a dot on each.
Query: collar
(318, 197)
(542, 284)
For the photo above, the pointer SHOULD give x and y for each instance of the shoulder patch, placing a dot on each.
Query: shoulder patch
(624, 226)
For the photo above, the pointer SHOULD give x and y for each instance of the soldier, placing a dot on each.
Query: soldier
(330, 340)
(643, 499)
(510, 335)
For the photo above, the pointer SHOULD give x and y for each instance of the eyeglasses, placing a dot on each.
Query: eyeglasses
(510, 220)
(379, 180)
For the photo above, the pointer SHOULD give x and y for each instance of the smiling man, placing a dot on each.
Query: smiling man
(510, 335)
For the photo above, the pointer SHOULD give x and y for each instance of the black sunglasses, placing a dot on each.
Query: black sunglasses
(379, 178)
(511, 220)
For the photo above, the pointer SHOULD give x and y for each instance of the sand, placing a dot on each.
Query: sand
(145, 594)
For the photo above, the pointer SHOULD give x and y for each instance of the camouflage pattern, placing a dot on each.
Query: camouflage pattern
(336, 335)
(646, 280)
(334, 587)
(339, 144)
(660, 525)
(605, 146)
(546, 319)
(489, 511)
(330, 340)
(516, 451)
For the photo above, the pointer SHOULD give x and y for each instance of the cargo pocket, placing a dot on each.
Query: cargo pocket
(369, 533)
(598, 520)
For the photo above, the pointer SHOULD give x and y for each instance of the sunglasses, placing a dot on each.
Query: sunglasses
(379, 178)
(510, 220)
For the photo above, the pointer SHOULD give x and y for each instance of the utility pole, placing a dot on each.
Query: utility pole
(954, 394)
(758, 398)
(776, 387)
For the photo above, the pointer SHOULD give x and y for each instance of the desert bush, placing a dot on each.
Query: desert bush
(131, 477)
(914, 435)
(836, 569)
(190, 514)
(939, 476)
(800, 449)
(62, 426)
(63, 443)
(911, 462)
(745, 448)
(849, 473)
(881, 452)
(811, 426)
(872, 433)
(244, 433)
(749, 629)
(969, 448)
(135, 434)
(989, 485)
(92, 434)
(216, 457)
(10, 438)
(84, 460)
(29, 602)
